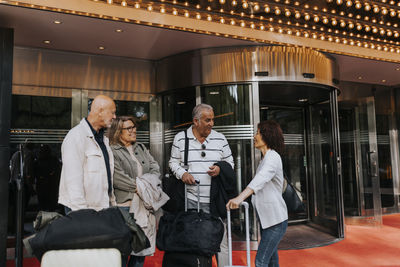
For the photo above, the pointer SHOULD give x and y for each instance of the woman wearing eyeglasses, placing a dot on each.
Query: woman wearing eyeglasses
(132, 161)
(266, 188)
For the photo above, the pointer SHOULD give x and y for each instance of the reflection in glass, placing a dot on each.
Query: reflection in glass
(140, 110)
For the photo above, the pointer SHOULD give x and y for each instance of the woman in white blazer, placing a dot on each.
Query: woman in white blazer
(266, 188)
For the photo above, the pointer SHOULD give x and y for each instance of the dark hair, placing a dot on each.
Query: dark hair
(114, 133)
(271, 134)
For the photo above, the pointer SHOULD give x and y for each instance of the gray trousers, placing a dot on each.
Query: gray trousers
(223, 257)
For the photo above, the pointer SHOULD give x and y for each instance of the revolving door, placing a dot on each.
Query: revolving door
(249, 84)
(311, 162)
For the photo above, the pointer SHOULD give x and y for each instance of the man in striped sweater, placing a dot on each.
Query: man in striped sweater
(206, 147)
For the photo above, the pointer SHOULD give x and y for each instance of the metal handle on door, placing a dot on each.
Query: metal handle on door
(370, 172)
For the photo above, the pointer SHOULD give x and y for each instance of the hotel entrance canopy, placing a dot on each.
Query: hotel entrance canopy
(366, 29)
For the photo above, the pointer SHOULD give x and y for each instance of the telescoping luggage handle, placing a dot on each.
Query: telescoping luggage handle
(246, 211)
(198, 196)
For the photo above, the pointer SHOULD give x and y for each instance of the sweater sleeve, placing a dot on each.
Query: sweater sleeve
(176, 158)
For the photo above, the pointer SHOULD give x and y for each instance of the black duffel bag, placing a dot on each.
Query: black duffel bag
(87, 228)
(190, 232)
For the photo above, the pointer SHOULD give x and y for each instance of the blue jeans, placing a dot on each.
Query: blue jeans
(267, 254)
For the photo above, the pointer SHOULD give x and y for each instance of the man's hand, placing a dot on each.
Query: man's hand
(214, 171)
(187, 178)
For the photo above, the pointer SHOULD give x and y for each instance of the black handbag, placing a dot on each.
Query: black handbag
(174, 187)
(292, 199)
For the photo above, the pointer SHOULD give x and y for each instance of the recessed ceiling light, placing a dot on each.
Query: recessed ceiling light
(359, 77)
(57, 21)
(383, 81)
(398, 69)
(101, 47)
(47, 41)
(119, 30)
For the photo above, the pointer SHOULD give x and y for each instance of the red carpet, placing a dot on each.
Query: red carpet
(363, 246)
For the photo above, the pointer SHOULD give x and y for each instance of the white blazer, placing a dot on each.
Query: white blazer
(83, 182)
(267, 185)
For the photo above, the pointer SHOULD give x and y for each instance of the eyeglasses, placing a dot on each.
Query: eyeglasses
(203, 154)
(130, 128)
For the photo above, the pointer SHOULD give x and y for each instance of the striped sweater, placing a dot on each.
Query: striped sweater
(216, 149)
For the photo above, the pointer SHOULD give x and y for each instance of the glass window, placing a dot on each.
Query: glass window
(177, 115)
(230, 103)
(40, 124)
(40, 112)
(140, 110)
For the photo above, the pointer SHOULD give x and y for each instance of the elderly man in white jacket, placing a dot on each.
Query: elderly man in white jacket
(88, 163)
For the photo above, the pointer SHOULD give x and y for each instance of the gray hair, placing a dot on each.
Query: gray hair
(196, 113)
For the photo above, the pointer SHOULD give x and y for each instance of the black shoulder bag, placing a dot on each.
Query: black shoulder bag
(174, 187)
(292, 199)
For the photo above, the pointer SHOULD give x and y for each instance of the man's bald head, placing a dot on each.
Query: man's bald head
(99, 102)
(102, 112)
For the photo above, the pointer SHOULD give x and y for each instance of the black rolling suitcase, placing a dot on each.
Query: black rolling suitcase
(179, 257)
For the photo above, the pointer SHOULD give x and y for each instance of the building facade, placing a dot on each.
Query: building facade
(327, 71)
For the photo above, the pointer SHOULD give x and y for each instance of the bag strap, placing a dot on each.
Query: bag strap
(186, 153)
(288, 182)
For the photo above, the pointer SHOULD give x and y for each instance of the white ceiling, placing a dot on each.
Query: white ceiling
(85, 35)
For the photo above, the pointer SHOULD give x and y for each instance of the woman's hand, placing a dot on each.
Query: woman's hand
(233, 203)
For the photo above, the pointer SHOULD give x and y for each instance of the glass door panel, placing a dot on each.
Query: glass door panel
(349, 156)
(368, 163)
(322, 164)
(294, 161)
(359, 144)
(232, 111)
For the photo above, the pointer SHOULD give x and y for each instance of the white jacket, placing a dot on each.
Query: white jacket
(267, 185)
(83, 183)
(145, 203)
